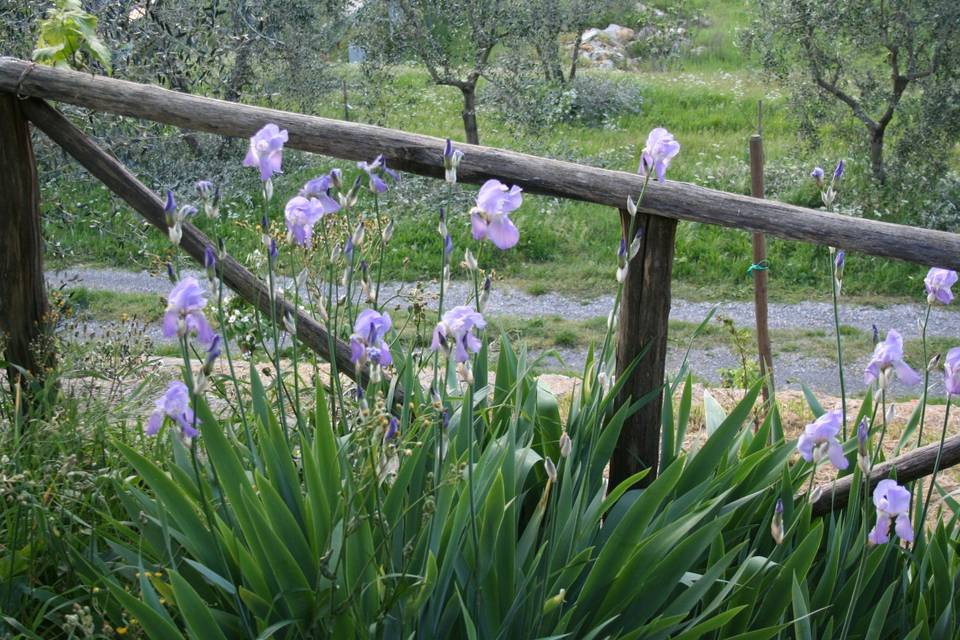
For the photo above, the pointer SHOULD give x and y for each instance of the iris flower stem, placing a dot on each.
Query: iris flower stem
(926, 374)
(936, 469)
(276, 348)
(883, 409)
(836, 324)
(376, 290)
(293, 336)
(233, 375)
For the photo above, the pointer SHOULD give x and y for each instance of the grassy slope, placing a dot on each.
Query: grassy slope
(570, 246)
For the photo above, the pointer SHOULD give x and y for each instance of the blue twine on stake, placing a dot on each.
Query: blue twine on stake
(759, 266)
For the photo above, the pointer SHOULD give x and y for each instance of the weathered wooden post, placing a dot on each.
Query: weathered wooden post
(760, 273)
(644, 316)
(23, 297)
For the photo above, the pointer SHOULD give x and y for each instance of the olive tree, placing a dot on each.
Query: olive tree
(878, 59)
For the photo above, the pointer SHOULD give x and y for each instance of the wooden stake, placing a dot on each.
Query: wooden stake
(760, 307)
(644, 316)
(23, 296)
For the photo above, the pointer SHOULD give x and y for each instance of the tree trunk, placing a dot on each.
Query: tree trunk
(575, 58)
(23, 296)
(876, 154)
(469, 112)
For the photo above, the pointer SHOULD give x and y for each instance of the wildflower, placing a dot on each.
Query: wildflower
(819, 439)
(660, 150)
(457, 327)
(210, 262)
(863, 447)
(375, 182)
(169, 208)
(302, 213)
(447, 247)
(838, 264)
(490, 218)
(316, 190)
(631, 207)
(174, 218)
(336, 178)
(349, 198)
(171, 274)
(442, 224)
(184, 314)
(213, 352)
(273, 251)
(358, 233)
(484, 293)
(566, 445)
(173, 404)
(951, 368)
(210, 196)
(892, 502)
(366, 343)
(938, 283)
(451, 160)
(622, 261)
(817, 175)
(776, 523)
(387, 234)
(266, 151)
(887, 359)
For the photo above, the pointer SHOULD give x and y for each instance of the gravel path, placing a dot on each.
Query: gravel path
(707, 362)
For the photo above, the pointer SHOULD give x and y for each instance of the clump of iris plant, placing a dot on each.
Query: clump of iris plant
(888, 359)
(175, 218)
(893, 504)
(184, 314)
(490, 219)
(658, 152)
(451, 160)
(175, 405)
(266, 154)
(938, 283)
(819, 440)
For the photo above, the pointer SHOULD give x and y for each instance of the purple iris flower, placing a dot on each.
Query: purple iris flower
(447, 246)
(336, 177)
(451, 160)
(491, 217)
(938, 283)
(169, 209)
(266, 150)
(373, 169)
(887, 359)
(951, 368)
(273, 251)
(820, 437)
(302, 213)
(316, 189)
(393, 426)
(838, 172)
(210, 261)
(893, 503)
(204, 188)
(839, 260)
(367, 342)
(817, 175)
(660, 150)
(173, 404)
(184, 314)
(457, 327)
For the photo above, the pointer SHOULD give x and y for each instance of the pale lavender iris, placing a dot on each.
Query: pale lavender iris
(838, 172)
(302, 213)
(456, 331)
(173, 404)
(817, 175)
(951, 369)
(373, 170)
(367, 343)
(820, 438)
(266, 150)
(316, 189)
(893, 504)
(887, 359)
(184, 314)
(491, 217)
(659, 151)
(938, 283)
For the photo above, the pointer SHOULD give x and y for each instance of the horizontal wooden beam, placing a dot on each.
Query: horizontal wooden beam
(124, 184)
(908, 467)
(422, 154)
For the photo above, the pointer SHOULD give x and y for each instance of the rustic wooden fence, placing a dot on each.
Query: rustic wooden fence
(25, 87)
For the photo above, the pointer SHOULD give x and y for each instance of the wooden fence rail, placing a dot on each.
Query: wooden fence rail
(646, 300)
(422, 154)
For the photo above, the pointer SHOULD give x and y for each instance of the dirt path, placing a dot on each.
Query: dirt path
(706, 361)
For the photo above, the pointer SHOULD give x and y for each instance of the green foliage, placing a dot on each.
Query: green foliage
(68, 38)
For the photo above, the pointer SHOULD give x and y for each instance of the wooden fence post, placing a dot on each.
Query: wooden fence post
(23, 297)
(760, 275)
(644, 316)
